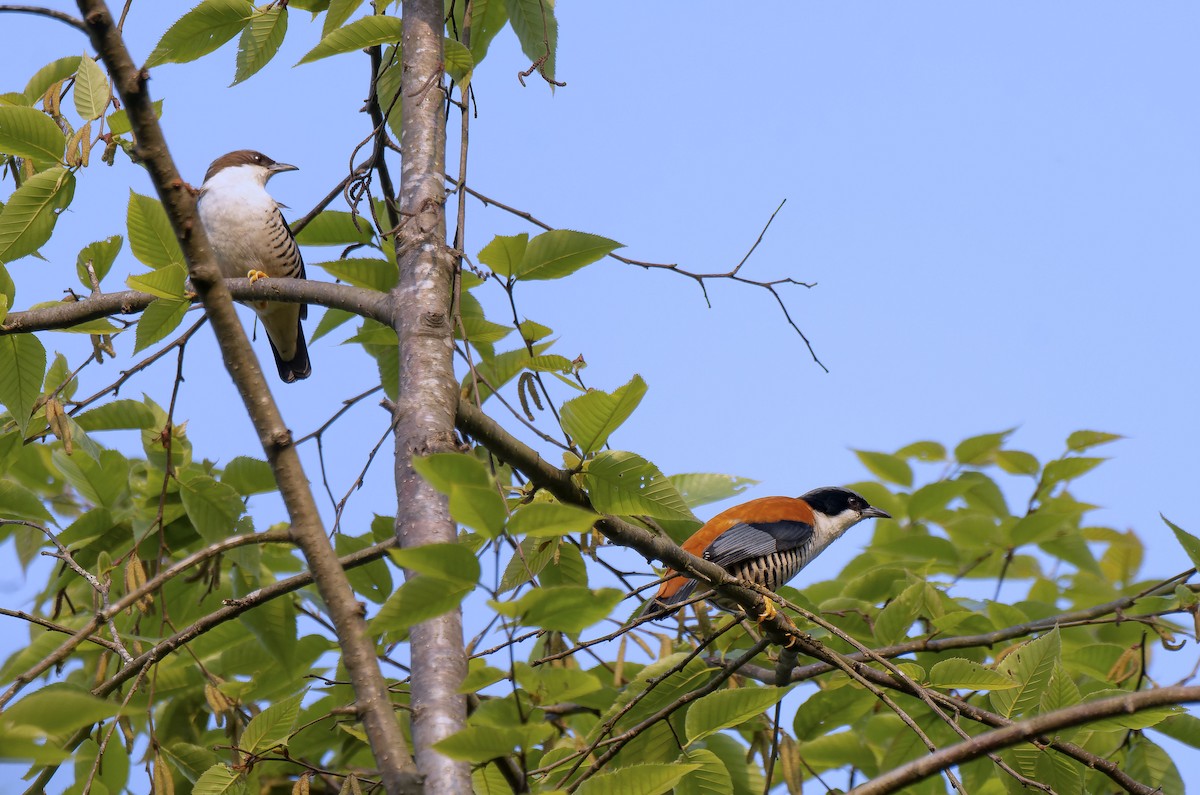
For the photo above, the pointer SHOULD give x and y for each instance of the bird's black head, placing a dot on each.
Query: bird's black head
(834, 500)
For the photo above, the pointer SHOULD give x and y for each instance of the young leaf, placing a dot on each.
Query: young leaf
(591, 418)
(101, 254)
(331, 320)
(22, 367)
(56, 709)
(358, 35)
(27, 132)
(1190, 544)
(457, 61)
(955, 673)
(249, 476)
(92, 91)
(166, 282)
(339, 11)
(479, 744)
(453, 563)
(550, 519)
(260, 41)
(47, 76)
(561, 252)
(979, 449)
(336, 228)
(887, 467)
(505, 253)
(627, 484)
(201, 31)
(27, 221)
(117, 415)
(150, 234)
(271, 727)
(213, 507)
(419, 599)
(565, 608)
(701, 488)
(1082, 440)
(725, 709)
(118, 120)
(159, 319)
(488, 17)
(650, 779)
(1030, 666)
(220, 779)
(372, 274)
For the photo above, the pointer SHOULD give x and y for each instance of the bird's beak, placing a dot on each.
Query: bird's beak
(873, 512)
(278, 168)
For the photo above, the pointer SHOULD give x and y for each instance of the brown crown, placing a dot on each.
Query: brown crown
(242, 157)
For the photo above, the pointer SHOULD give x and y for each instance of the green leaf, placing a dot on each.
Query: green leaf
(92, 91)
(561, 252)
(48, 75)
(1082, 440)
(1190, 544)
(419, 599)
(18, 502)
(959, 673)
(27, 132)
(710, 777)
(22, 368)
(725, 709)
(627, 484)
(1135, 721)
(57, 709)
(330, 321)
(117, 415)
(446, 470)
(249, 476)
(336, 228)
(1017, 462)
(458, 61)
(454, 563)
(271, 727)
(27, 221)
(591, 418)
(979, 449)
(651, 779)
(550, 519)
(1068, 469)
(159, 319)
(894, 620)
(260, 41)
(505, 253)
(358, 35)
(1182, 727)
(488, 17)
(536, 28)
(101, 482)
(201, 31)
(934, 497)
(118, 120)
(339, 11)
(102, 254)
(564, 608)
(166, 282)
(151, 237)
(213, 507)
(479, 744)
(372, 274)
(701, 488)
(1030, 666)
(923, 451)
(887, 467)
(220, 779)
(8, 288)
(1037, 527)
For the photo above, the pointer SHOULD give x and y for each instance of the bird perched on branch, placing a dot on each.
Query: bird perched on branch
(765, 541)
(249, 238)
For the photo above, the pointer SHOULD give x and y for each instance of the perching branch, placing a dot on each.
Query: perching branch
(374, 703)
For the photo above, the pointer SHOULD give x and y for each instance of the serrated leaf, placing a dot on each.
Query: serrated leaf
(701, 488)
(358, 35)
(1183, 727)
(28, 219)
(28, 132)
(331, 320)
(102, 254)
(564, 608)
(591, 418)
(537, 29)
(158, 320)
(92, 91)
(480, 744)
(339, 11)
(151, 237)
(118, 120)
(1135, 721)
(101, 482)
(201, 31)
(1190, 544)
(505, 253)
(56, 709)
(117, 415)
(336, 228)
(166, 282)
(1030, 666)
(725, 709)
(488, 17)
(561, 252)
(710, 777)
(213, 507)
(18, 502)
(271, 727)
(457, 61)
(650, 779)
(220, 779)
(958, 673)
(453, 563)
(887, 467)
(419, 599)
(48, 75)
(894, 620)
(550, 519)
(260, 41)
(624, 483)
(22, 368)
(372, 274)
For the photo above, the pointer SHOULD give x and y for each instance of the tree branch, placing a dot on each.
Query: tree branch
(358, 653)
(45, 12)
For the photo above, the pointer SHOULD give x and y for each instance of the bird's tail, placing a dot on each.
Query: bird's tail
(673, 593)
(298, 367)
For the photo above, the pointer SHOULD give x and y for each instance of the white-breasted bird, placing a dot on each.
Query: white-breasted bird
(249, 238)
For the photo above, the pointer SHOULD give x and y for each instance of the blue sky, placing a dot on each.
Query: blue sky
(997, 201)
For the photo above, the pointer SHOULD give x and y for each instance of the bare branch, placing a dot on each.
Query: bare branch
(50, 13)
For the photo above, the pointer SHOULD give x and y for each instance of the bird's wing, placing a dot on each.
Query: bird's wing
(293, 254)
(748, 540)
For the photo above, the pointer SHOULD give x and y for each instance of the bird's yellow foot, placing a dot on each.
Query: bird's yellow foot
(768, 611)
(254, 276)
